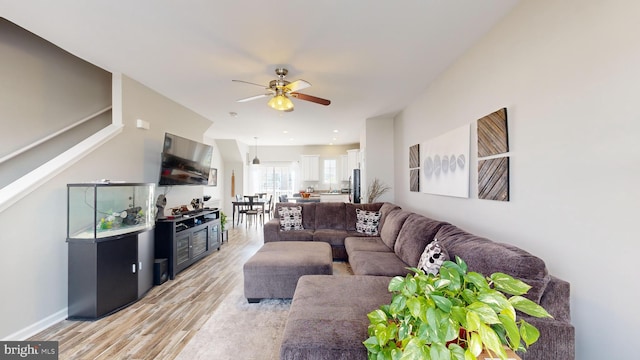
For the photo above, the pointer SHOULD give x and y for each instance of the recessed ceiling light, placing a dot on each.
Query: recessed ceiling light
(334, 139)
(335, 131)
(285, 132)
(233, 114)
(330, 143)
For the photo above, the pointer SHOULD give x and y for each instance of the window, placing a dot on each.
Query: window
(330, 175)
(273, 180)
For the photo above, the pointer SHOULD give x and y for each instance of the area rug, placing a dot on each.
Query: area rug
(239, 330)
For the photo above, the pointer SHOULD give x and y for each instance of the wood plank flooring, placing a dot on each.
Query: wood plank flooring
(160, 324)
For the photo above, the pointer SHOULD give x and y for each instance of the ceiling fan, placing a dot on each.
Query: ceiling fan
(281, 90)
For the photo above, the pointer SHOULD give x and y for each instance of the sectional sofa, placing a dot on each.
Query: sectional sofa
(319, 302)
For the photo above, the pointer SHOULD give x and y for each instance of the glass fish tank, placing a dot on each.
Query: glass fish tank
(106, 209)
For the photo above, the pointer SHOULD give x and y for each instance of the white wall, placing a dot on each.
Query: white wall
(377, 157)
(568, 73)
(33, 252)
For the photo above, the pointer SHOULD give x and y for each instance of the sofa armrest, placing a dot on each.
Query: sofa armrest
(555, 299)
(272, 230)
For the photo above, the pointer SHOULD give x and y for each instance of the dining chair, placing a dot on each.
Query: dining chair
(251, 211)
(268, 208)
(242, 210)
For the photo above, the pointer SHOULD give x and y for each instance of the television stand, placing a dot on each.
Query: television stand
(187, 238)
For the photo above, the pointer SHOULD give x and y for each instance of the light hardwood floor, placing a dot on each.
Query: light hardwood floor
(160, 324)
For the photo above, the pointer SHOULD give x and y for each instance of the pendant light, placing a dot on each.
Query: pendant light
(256, 161)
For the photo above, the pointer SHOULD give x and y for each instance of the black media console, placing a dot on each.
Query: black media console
(185, 239)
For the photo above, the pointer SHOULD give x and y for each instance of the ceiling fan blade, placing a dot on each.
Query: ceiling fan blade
(314, 99)
(254, 97)
(250, 83)
(296, 85)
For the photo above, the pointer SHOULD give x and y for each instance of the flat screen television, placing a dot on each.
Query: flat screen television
(184, 161)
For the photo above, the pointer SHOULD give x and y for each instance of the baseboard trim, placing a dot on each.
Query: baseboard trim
(37, 327)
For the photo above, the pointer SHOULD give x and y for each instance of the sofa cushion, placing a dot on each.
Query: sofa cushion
(374, 243)
(330, 215)
(290, 218)
(390, 229)
(296, 235)
(308, 213)
(350, 213)
(486, 257)
(367, 222)
(432, 257)
(385, 209)
(417, 231)
(331, 236)
(377, 263)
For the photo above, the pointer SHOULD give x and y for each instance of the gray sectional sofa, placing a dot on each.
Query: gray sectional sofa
(402, 237)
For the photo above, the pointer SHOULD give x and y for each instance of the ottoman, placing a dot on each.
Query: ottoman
(274, 270)
(328, 316)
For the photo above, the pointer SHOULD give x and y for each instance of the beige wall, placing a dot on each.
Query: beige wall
(33, 252)
(568, 73)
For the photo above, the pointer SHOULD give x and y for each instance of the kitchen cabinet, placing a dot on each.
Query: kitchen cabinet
(310, 167)
(353, 158)
(344, 168)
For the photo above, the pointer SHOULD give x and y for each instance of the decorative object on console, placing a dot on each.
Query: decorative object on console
(376, 189)
(161, 202)
(483, 318)
(493, 161)
(432, 258)
(445, 170)
(367, 221)
(290, 218)
(196, 203)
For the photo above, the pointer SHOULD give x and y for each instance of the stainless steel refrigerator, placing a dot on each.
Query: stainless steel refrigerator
(354, 187)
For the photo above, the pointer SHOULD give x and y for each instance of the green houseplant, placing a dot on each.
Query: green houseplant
(452, 315)
(223, 220)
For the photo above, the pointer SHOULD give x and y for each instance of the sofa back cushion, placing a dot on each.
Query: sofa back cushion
(385, 209)
(350, 213)
(487, 257)
(417, 231)
(308, 213)
(330, 215)
(393, 221)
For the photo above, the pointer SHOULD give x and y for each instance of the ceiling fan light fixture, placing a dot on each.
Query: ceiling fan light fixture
(281, 102)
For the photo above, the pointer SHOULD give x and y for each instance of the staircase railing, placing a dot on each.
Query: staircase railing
(53, 135)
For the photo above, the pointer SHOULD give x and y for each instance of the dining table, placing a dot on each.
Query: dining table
(239, 204)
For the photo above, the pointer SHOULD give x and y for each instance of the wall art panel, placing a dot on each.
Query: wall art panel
(445, 163)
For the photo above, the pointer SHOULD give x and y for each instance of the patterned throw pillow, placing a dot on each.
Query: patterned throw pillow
(367, 221)
(432, 258)
(290, 218)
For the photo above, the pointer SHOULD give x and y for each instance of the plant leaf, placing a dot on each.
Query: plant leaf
(469, 296)
(491, 341)
(529, 333)
(414, 351)
(396, 284)
(442, 303)
(508, 284)
(377, 316)
(475, 344)
(457, 352)
(439, 352)
(511, 328)
(398, 304)
(372, 344)
(484, 311)
(414, 306)
(478, 280)
(382, 333)
(528, 307)
(497, 301)
(472, 322)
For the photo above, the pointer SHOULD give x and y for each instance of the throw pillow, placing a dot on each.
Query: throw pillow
(290, 218)
(367, 221)
(432, 258)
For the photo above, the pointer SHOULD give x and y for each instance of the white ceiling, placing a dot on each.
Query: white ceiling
(369, 57)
